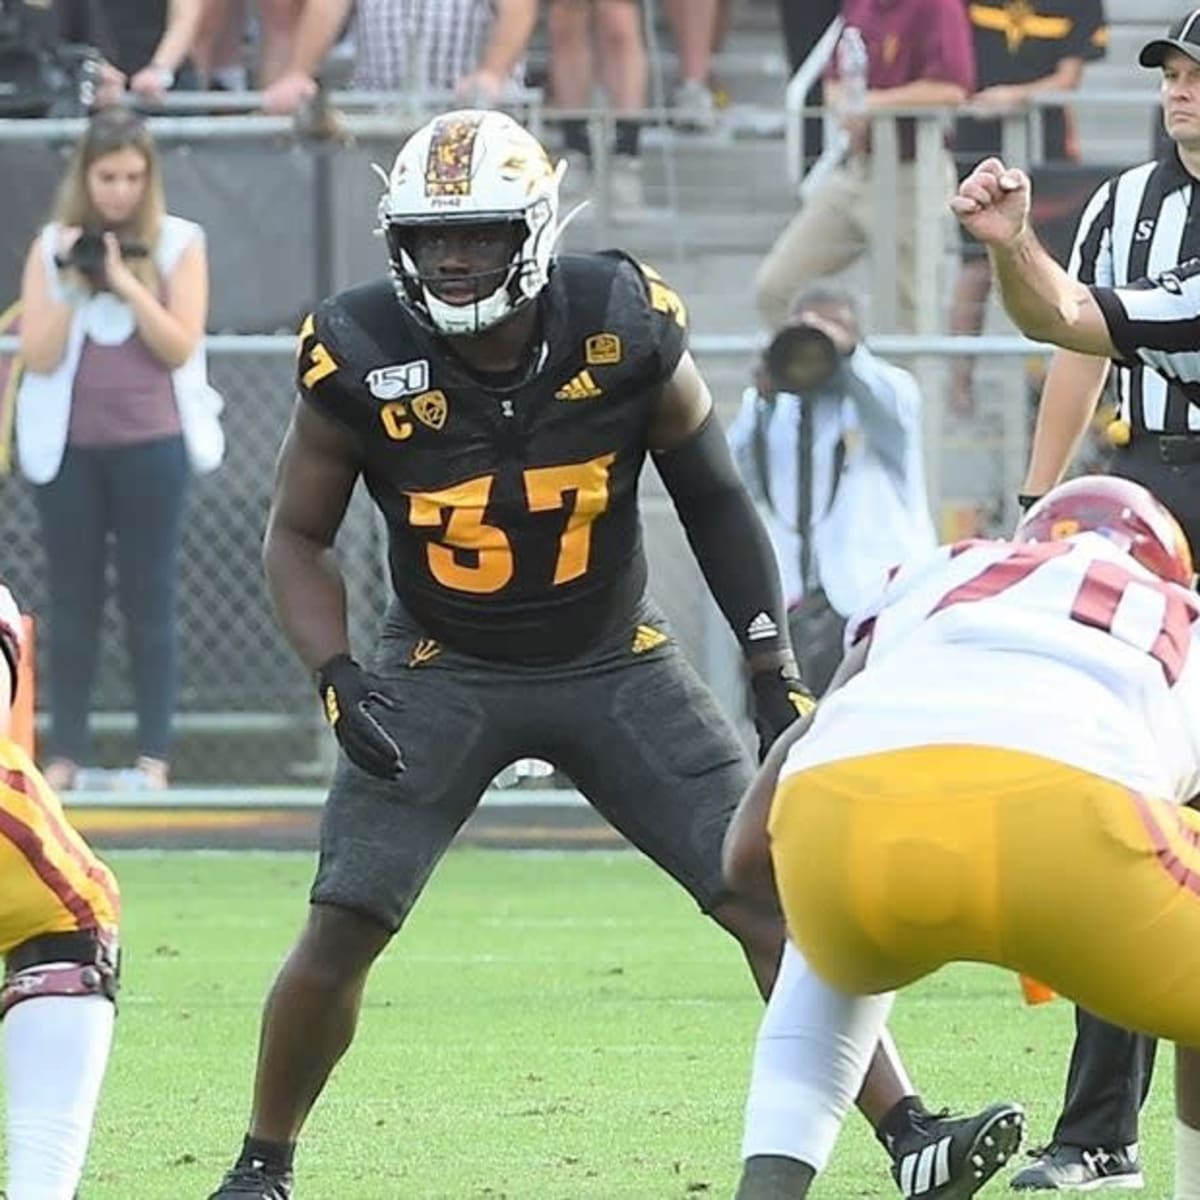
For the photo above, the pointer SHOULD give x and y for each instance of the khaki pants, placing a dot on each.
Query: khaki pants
(833, 230)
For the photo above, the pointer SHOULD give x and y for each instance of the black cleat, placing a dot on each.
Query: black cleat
(1057, 1168)
(253, 1182)
(951, 1158)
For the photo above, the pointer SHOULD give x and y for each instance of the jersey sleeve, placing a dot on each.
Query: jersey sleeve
(1154, 317)
(668, 320)
(321, 376)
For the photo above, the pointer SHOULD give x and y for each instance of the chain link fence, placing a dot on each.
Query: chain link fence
(248, 714)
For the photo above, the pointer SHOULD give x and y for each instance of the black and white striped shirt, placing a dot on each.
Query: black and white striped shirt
(1155, 324)
(1141, 224)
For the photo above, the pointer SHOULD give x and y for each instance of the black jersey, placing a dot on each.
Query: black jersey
(512, 510)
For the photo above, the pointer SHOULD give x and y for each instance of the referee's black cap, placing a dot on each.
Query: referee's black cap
(1183, 36)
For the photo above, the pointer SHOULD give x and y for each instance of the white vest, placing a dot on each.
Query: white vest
(44, 400)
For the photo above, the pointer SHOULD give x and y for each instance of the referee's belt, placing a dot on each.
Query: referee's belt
(1174, 449)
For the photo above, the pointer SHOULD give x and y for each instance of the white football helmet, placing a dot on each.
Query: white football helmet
(472, 166)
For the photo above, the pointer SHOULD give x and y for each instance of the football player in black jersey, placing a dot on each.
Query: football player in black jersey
(499, 402)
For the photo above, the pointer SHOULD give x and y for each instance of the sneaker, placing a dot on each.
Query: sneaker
(695, 107)
(951, 1158)
(1074, 1169)
(252, 1182)
(153, 774)
(626, 189)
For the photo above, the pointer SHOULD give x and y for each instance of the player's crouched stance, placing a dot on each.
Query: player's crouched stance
(903, 838)
(58, 933)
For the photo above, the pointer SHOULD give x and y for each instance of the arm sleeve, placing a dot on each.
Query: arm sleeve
(727, 537)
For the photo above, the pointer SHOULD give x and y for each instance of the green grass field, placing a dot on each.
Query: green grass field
(549, 1027)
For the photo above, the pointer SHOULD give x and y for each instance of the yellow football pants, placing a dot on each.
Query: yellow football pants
(50, 880)
(893, 864)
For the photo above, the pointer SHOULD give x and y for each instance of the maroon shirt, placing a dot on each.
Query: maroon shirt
(908, 40)
(123, 395)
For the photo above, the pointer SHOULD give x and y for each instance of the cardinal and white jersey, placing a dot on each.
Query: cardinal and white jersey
(1067, 650)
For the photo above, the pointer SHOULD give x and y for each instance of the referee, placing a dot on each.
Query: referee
(1142, 222)
(1138, 224)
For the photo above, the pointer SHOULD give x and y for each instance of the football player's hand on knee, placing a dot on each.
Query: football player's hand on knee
(351, 698)
(780, 697)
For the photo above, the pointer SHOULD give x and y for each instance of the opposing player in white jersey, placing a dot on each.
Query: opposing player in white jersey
(1004, 773)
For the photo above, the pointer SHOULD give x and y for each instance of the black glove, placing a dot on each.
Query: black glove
(348, 693)
(780, 697)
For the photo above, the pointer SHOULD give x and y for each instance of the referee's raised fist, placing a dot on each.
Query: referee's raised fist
(992, 203)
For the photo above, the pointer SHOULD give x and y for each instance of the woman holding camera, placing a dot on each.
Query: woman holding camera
(113, 413)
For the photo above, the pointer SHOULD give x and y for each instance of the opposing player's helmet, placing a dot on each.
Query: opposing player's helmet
(1124, 512)
(472, 166)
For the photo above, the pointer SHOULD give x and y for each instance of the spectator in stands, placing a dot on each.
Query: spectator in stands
(804, 24)
(1040, 48)
(112, 405)
(219, 50)
(607, 33)
(472, 48)
(220, 55)
(829, 442)
(151, 41)
(694, 24)
(919, 55)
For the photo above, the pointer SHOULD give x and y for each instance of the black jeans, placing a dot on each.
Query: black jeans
(136, 494)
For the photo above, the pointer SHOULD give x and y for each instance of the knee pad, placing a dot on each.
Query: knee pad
(84, 963)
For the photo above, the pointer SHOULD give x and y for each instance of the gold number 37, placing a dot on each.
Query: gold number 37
(459, 511)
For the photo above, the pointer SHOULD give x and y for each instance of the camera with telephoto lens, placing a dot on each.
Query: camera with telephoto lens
(802, 358)
(87, 256)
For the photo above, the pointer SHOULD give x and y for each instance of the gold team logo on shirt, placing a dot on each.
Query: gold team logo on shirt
(1017, 20)
(425, 650)
(602, 350)
(430, 408)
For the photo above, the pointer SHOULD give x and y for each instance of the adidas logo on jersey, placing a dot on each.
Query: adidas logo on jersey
(761, 627)
(925, 1171)
(579, 387)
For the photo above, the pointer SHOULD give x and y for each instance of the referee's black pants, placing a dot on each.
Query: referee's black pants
(1111, 1068)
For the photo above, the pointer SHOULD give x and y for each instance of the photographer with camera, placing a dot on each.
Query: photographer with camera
(114, 412)
(829, 442)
